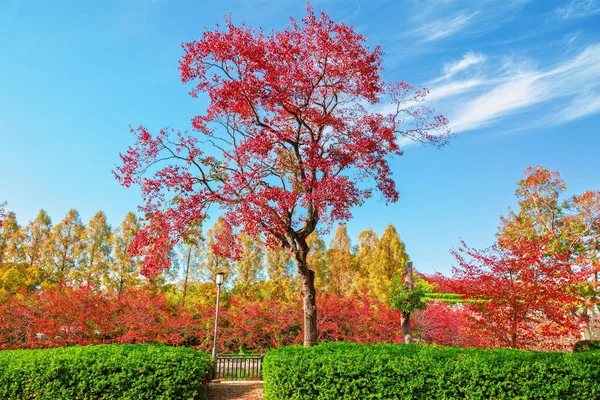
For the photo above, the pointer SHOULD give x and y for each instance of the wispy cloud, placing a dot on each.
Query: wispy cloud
(444, 27)
(442, 19)
(569, 90)
(454, 88)
(579, 9)
(469, 59)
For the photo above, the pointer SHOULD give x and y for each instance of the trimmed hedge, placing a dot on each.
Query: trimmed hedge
(586, 345)
(105, 372)
(356, 371)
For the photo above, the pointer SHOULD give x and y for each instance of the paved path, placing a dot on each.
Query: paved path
(241, 390)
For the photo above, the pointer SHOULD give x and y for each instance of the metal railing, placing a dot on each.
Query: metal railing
(239, 366)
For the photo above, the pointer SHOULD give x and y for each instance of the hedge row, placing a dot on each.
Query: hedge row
(586, 345)
(105, 372)
(356, 371)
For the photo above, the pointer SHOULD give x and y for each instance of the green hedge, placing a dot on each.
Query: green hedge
(354, 371)
(105, 372)
(586, 345)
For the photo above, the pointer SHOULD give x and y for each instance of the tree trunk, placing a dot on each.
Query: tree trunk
(405, 321)
(307, 278)
(310, 309)
(406, 329)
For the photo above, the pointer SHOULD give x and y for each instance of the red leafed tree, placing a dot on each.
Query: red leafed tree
(288, 138)
(522, 291)
(449, 325)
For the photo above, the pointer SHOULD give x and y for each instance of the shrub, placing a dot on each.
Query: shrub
(356, 371)
(105, 372)
(586, 345)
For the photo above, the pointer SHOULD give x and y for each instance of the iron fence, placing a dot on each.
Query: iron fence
(239, 366)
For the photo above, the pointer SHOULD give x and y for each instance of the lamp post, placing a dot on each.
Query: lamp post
(219, 281)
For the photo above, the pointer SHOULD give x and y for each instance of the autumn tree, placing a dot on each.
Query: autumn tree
(318, 261)
(35, 242)
(12, 273)
(572, 226)
(278, 265)
(94, 257)
(189, 259)
(529, 284)
(124, 270)
(365, 259)
(390, 259)
(65, 247)
(521, 292)
(287, 142)
(341, 262)
(2, 213)
(214, 261)
(249, 264)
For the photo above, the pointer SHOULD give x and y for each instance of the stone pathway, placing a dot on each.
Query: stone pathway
(240, 390)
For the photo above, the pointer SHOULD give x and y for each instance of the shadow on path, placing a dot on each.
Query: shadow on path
(235, 390)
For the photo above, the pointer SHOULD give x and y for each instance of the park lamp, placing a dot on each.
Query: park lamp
(220, 278)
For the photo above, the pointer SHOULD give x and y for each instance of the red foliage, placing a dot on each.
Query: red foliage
(68, 316)
(523, 291)
(449, 325)
(292, 140)
(270, 324)
(442, 283)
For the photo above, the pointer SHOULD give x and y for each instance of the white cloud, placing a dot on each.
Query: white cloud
(581, 106)
(444, 27)
(468, 60)
(454, 88)
(579, 9)
(515, 94)
(573, 86)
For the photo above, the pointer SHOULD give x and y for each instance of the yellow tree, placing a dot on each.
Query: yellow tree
(281, 284)
(250, 263)
(35, 246)
(124, 269)
(390, 259)
(365, 260)
(341, 263)
(65, 248)
(317, 259)
(12, 272)
(94, 258)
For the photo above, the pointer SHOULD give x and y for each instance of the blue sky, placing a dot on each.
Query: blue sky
(519, 81)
